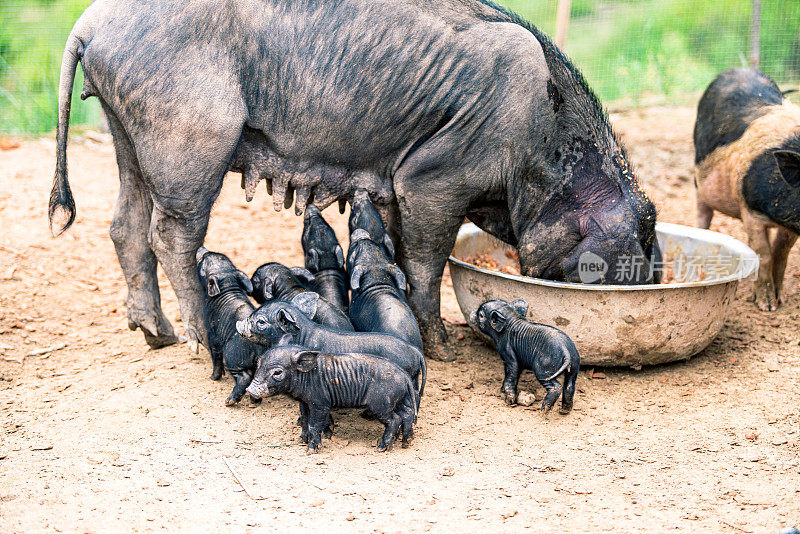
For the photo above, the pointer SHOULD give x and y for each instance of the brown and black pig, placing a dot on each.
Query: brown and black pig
(747, 157)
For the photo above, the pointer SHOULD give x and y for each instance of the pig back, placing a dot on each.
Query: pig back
(729, 105)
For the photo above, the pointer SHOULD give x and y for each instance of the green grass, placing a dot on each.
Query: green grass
(628, 49)
(32, 37)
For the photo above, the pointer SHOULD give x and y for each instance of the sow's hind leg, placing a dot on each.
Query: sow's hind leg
(129, 228)
(185, 159)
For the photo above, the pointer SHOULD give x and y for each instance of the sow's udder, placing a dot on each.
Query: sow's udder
(510, 265)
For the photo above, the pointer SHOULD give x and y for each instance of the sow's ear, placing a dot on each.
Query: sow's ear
(307, 302)
(497, 321)
(521, 307)
(212, 286)
(305, 361)
(789, 166)
(302, 274)
(245, 282)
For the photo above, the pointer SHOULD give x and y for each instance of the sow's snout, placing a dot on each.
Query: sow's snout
(608, 264)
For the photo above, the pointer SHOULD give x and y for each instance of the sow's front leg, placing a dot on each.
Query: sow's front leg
(424, 247)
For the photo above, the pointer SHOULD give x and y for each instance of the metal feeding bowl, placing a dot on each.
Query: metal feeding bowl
(618, 324)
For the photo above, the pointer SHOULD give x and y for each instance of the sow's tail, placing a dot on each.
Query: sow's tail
(61, 211)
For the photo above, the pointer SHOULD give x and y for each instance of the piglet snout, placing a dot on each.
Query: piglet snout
(255, 390)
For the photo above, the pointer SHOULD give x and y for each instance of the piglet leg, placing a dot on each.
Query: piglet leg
(553, 388)
(242, 381)
(509, 387)
(392, 427)
(318, 419)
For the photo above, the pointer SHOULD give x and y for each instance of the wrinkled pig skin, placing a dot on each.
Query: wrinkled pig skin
(322, 382)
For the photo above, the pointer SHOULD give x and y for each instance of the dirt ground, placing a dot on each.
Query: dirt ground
(100, 434)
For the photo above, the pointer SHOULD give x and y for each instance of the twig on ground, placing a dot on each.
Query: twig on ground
(46, 350)
(239, 480)
(734, 526)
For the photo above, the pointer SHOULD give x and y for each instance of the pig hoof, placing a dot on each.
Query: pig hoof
(160, 341)
(255, 400)
(157, 331)
(312, 449)
(216, 374)
(765, 297)
(511, 400)
(564, 411)
(230, 401)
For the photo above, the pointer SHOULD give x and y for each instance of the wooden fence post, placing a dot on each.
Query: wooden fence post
(755, 35)
(562, 22)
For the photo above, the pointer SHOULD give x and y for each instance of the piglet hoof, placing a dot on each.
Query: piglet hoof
(217, 373)
(564, 410)
(406, 443)
(511, 399)
(381, 446)
(255, 400)
(312, 449)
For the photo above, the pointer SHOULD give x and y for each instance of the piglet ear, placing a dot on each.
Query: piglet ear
(305, 361)
(303, 274)
(287, 321)
(497, 321)
(307, 302)
(212, 286)
(789, 166)
(387, 243)
(245, 282)
(266, 290)
(399, 277)
(312, 260)
(520, 306)
(355, 277)
(340, 256)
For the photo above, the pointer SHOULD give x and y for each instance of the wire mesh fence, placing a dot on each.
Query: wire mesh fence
(631, 51)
